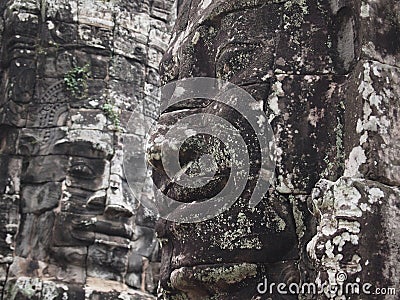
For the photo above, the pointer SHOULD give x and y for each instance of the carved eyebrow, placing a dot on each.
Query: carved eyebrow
(231, 7)
(240, 44)
(83, 148)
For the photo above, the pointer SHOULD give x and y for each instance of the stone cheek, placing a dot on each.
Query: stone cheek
(70, 228)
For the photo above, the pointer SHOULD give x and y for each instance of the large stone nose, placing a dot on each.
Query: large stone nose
(116, 205)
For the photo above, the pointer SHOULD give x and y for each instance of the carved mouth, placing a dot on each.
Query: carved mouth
(113, 229)
(104, 232)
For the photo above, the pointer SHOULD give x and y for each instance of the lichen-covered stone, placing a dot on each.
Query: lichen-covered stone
(71, 74)
(357, 234)
(325, 73)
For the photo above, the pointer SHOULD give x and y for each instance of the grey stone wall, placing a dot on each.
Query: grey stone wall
(72, 73)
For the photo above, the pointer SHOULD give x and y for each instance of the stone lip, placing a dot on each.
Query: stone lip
(231, 280)
(109, 228)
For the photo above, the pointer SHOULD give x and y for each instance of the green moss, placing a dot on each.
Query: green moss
(27, 287)
(111, 112)
(180, 296)
(76, 81)
(337, 165)
(228, 274)
(40, 50)
(340, 156)
(298, 217)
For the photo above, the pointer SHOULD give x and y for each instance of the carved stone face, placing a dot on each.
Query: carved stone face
(76, 210)
(278, 52)
(75, 198)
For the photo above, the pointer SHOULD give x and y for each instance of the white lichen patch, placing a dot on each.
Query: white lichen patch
(238, 235)
(205, 3)
(379, 98)
(196, 38)
(345, 208)
(365, 10)
(315, 115)
(375, 194)
(9, 239)
(50, 25)
(285, 185)
(356, 158)
(273, 100)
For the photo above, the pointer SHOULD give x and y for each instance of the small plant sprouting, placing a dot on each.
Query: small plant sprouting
(76, 81)
(111, 112)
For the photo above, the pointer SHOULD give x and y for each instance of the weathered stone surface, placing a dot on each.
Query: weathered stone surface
(372, 143)
(28, 288)
(357, 215)
(357, 234)
(326, 76)
(36, 199)
(298, 81)
(71, 74)
(380, 27)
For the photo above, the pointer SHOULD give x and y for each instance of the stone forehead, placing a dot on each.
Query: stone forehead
(199, 11)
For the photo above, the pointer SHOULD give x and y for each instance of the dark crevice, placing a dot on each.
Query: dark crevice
(5, 283)
(344, 61)
(86, 263)
(278, 39)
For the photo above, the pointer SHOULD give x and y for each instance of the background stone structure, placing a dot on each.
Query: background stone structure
(71, 74)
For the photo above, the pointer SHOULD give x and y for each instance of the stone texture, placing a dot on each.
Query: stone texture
(358, 214)
(69, 227)
(357, 235)
(326, 75)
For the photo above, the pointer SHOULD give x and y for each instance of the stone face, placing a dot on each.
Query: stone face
(71, 75)
(267, 49)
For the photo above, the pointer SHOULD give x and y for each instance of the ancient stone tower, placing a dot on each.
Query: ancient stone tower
(72, 72)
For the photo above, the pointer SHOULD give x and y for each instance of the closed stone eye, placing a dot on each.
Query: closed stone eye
(81, 170)
(234, 58)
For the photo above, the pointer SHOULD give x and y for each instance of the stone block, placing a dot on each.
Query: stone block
(40, 198)
(372, 127)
